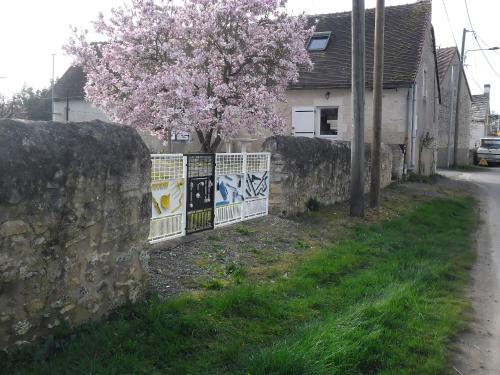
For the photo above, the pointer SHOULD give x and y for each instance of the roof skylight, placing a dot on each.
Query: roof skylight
(319, 41)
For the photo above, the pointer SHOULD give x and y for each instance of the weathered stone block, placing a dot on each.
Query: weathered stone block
(74, 219)
(13, 227)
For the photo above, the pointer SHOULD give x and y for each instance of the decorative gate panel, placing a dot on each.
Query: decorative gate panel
(196, 192)
(229, 188)
(200, 192)
(257, 184)
(167, 190)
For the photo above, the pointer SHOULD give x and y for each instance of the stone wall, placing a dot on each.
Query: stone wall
(444, 120)
(398, 159)
(304, 168)
(74, 218)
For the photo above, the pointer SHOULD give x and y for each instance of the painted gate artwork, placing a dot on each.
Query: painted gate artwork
(257, 184)
(196, 192)
(242, 187)
(200, 192)
(167, 196)
(229, 188)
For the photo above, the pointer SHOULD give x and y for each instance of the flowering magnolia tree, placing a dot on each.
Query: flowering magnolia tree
(210, 67)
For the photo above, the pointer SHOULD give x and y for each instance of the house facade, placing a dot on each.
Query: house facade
(70, 106)
(480, 117)
(319, 105)
(69, 98)
(448, 65)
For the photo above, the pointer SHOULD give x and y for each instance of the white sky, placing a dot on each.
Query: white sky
(32, 30)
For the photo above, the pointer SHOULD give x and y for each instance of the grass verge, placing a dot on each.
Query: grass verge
(385, 301)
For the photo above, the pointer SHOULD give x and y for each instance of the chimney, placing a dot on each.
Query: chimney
(487, 88)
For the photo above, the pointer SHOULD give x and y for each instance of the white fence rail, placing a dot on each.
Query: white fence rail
(241, 191)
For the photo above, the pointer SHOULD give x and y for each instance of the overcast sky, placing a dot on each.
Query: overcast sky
(32, 30)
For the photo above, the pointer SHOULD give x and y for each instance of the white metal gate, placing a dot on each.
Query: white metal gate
(241, 186)
(168, 180)
(241, 182)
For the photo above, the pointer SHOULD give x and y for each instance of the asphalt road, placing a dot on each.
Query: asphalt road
(478, 350)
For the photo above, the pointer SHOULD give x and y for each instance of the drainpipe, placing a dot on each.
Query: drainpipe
(450, 115)
(410, 117)
(408, 126)
(413, 127)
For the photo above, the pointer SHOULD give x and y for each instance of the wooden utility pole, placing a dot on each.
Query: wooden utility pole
(378, 81)
(52, 88)
(358, 108)
(451, 104)
(457, 109)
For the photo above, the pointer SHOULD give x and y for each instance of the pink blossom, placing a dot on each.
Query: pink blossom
(210, 67)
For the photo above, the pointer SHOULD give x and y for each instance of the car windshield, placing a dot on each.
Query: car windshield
(493, 144)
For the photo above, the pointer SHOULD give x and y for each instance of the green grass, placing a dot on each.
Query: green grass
(243, 229)
(386, 301)
(432, 179)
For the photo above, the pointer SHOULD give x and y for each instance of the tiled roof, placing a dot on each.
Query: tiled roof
(479, 108)
(71, 84)
(405, 30)
(444, 59)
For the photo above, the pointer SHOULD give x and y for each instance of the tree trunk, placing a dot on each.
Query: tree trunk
(206, 144)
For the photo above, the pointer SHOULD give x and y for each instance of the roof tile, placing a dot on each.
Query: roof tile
(405, 30)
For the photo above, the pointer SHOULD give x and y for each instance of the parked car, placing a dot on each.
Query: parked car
(489, 150)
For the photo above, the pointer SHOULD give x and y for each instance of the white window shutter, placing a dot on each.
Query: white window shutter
(303, 121)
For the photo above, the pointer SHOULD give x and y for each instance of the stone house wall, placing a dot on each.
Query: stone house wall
(463, 120)
(427, 110)
(394, 111)
(304, 168)
(74, 218)
(477, 131)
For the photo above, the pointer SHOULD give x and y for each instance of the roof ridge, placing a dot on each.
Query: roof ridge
(343, 13)
(427, 22)
(443, 54)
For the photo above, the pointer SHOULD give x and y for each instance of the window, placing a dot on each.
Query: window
(319, 41)
(328, 121)
(303, 121)
(491, 144)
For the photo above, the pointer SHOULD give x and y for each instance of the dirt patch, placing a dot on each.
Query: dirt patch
(265, 248)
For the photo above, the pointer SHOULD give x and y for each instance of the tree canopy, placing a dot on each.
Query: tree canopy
(210, 67)
(29, 104)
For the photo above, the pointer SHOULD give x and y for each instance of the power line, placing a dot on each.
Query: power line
(468, 15)
(477, 41)
(469, 75)
(449, 23)
(486, 44)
